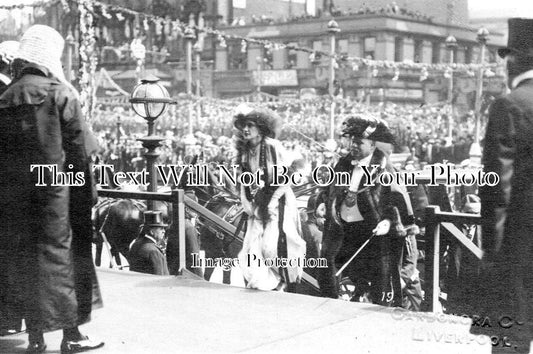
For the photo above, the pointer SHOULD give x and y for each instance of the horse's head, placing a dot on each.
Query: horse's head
(214, 241)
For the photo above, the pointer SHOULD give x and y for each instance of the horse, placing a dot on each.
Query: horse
(216, 243)
(118, 222)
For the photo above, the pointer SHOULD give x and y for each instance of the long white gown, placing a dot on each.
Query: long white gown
(261, 240)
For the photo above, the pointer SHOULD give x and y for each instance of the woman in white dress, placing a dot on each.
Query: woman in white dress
(273, 250)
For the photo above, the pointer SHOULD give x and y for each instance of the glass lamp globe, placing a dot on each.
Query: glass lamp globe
(150, 99)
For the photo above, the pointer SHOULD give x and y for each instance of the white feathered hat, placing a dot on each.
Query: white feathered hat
(8, 50)
(43, 46)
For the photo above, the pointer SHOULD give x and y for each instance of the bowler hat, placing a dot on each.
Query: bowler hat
(520, 39)
(153, 218)
(367, 128)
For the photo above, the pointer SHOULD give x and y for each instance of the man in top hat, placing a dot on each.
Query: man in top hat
(8, 50)
(147, 252)
(354, 212)
(507, 208)
(45, 241)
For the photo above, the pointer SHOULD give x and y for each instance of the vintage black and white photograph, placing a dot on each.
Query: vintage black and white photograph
(261, 176)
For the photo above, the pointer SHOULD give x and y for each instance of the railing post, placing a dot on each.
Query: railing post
(431, 284)
(178, 217)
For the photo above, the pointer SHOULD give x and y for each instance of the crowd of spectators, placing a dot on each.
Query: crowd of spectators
(423, 132)
(391, 9)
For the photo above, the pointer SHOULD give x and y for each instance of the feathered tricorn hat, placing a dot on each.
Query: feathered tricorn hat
(266, 120)
(367, 128)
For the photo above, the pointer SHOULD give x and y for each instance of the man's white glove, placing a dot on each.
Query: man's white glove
(382, 228)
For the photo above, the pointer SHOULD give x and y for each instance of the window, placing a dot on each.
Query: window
(237, 60)
(468, 55)
(398, 49)
(292, 56)
(342, 47)
(369, 47)
(239, 4)
(418, 51)
(268, 59)
(435, 53)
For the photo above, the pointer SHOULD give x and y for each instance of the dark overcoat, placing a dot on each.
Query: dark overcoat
(146, 257)
(192, 246)
(507, 210)
(340, 242)
(45, 239)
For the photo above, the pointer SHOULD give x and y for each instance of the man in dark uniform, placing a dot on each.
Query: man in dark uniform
(354, 212)
(507, 208)
(147, 252)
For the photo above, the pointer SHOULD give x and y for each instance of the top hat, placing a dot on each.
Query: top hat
(43, 46)
(268, 122)
(367, 128)
(153, 218)
(520, 39)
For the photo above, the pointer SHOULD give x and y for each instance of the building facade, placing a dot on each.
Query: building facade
(386, 32)
(382, 36)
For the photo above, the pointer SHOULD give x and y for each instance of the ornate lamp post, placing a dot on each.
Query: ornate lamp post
(189, 36)
(475, 148)
(451, 44)
(197, 51)
(333, 29)
(70, 48)
(259, 61)
(149, 100)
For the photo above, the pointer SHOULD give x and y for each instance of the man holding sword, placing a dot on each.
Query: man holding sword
(364, 233)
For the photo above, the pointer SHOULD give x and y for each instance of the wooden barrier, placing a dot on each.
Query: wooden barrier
(178, 201)
(434, 218)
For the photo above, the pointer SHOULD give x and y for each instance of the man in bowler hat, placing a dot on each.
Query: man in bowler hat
(147, 252)
(507, 208)
(356, 211)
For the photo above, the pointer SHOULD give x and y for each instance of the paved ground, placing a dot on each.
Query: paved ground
(150, 314)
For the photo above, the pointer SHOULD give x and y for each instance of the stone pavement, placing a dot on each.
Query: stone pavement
(151, 314)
